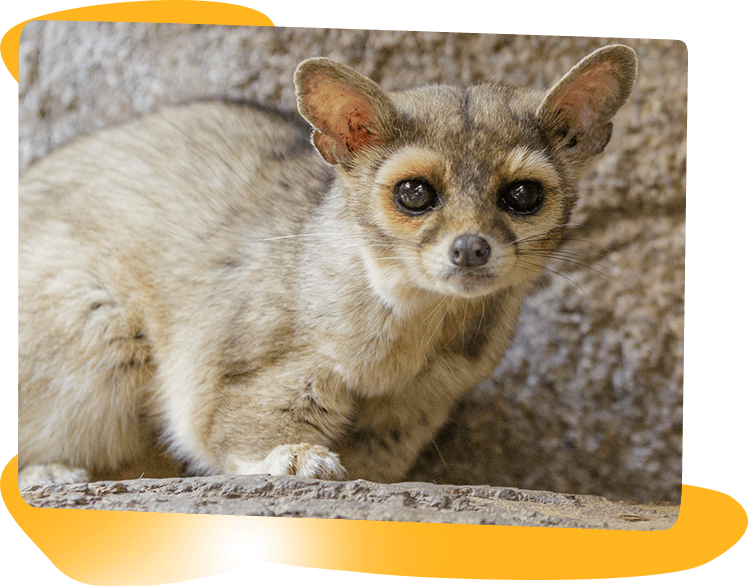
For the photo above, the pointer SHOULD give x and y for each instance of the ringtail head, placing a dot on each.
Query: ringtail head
(461, 192)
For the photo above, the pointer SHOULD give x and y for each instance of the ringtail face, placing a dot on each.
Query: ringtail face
(461, 192)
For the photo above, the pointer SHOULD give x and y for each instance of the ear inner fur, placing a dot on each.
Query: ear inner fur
(347, 110)
(588, 96)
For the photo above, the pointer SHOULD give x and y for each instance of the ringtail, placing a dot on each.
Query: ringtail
(263, 303)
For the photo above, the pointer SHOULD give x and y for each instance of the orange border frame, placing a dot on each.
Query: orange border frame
(156, 548)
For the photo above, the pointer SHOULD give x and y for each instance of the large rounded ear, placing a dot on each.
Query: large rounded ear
(349, 112)
(577, 110)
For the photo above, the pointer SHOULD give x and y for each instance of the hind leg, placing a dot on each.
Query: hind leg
(84, 364)
(39, 474)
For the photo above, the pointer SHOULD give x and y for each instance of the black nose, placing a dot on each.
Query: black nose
(469, 250)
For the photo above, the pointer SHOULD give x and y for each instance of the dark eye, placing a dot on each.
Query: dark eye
(415, 196)
(522, 197)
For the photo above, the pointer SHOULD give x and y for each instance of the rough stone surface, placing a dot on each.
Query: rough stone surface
(289, 496)
(589, 397)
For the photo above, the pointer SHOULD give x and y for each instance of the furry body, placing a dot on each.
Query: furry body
(206, 276)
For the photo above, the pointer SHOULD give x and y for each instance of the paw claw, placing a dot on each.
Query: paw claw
(309, 461)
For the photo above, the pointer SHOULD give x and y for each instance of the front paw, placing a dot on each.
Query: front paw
(309, 461)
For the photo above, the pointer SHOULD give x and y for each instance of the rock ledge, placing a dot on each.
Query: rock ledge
(290, 496)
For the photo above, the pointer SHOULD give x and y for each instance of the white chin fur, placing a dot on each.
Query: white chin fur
(470, 290)
(405, 289)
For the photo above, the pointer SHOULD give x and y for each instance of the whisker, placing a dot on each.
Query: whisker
(482, 317)
(571, 258)
(286, 237)
(563, 255)
(436, 311)
(568, 277)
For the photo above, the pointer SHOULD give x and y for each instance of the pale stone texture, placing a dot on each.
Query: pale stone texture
(290, 496)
